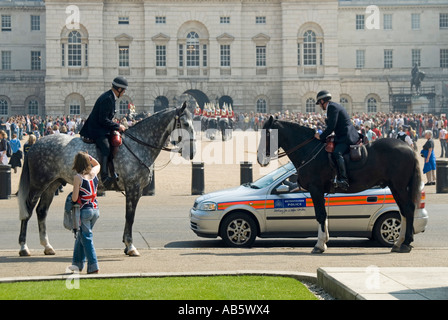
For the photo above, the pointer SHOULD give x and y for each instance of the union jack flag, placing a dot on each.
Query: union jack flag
(88, 193)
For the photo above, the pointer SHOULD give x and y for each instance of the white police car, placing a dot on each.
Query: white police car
(272, 207)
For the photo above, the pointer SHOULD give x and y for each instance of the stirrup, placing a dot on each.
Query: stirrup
(107, 182)
(342, 184)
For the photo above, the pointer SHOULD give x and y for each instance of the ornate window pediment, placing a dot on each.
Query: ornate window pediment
(160, 38)
(261, 39)
(225, 38)
(124, 38)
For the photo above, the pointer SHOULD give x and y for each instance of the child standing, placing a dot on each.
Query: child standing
(85, 184)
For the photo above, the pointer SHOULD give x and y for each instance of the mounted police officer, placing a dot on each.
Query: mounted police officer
(338, 121)
(99, 125)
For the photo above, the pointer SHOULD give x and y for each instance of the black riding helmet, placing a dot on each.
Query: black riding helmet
(324, 94)
(120, 82)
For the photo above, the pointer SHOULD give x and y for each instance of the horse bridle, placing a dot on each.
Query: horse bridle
(177, 126)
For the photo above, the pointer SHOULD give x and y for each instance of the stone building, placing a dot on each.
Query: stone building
(22, 54)
(258, 55)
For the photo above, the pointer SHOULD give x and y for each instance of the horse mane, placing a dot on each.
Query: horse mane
(154, 117)
(294, 126)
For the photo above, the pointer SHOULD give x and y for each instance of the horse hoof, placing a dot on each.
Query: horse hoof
(133, 253)
(24, 253)
(317, 250)
(405, 248)
(49, 251)
(402, 249)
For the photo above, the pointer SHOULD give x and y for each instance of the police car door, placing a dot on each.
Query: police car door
(352, 212)
(290, 213)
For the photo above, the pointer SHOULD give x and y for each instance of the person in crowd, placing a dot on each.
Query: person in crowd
(430, 158)
(3, 147)
(371, 136)
(442, 138)
(403, 136)
(16, 158)
(31, 140)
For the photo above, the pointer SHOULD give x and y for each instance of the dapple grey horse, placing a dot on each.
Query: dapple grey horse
(49, 163)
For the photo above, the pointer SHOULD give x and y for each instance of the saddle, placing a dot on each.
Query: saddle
(356, 153)
(115, 141)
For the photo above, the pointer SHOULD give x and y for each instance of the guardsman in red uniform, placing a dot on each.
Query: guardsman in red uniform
(197, 110)
(224, 112)
(218, 112)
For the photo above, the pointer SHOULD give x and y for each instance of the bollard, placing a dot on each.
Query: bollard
(5, 182)
(246, 172)
(197, 178)
(149, 190)
(442, 176)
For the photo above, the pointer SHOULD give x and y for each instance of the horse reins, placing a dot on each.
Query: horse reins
(177, 125)
(284, 153)
(292, 150)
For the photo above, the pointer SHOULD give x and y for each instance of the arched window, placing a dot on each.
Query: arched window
(261, 105)
(74, 49)
(225, 100)
(161, 103)
(371, 105)
(310, 105)
(193, 51)
(33, 107)
(3, 107)
(75, 104)
(192, 41)
(309, 48)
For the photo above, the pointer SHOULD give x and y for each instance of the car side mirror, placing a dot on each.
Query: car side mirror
(283, 188)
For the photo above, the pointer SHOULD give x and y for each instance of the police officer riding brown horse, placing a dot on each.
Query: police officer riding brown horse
(390, 162)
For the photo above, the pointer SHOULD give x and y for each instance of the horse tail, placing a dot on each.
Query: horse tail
(24, 189)
(414, 185)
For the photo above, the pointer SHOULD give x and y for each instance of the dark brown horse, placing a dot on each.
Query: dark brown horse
(390, 162)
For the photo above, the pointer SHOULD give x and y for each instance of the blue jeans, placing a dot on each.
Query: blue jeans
(84, 241)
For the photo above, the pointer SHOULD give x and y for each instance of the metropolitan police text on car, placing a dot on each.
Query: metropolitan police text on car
(232, 309)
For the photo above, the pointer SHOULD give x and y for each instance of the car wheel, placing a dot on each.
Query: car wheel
(387, 229)
(238, 230)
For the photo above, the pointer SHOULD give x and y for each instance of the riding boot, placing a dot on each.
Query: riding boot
(341, 180)
(107, 181)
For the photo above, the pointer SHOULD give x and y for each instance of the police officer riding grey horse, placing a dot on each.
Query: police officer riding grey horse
(100, 125)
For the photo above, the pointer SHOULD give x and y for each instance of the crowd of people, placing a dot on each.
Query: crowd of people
(408, 127)
(387, 124)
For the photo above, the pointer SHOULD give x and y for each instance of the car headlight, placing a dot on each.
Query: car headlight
(207, 206)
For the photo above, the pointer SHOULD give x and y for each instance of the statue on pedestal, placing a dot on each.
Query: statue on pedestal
(417, 78)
